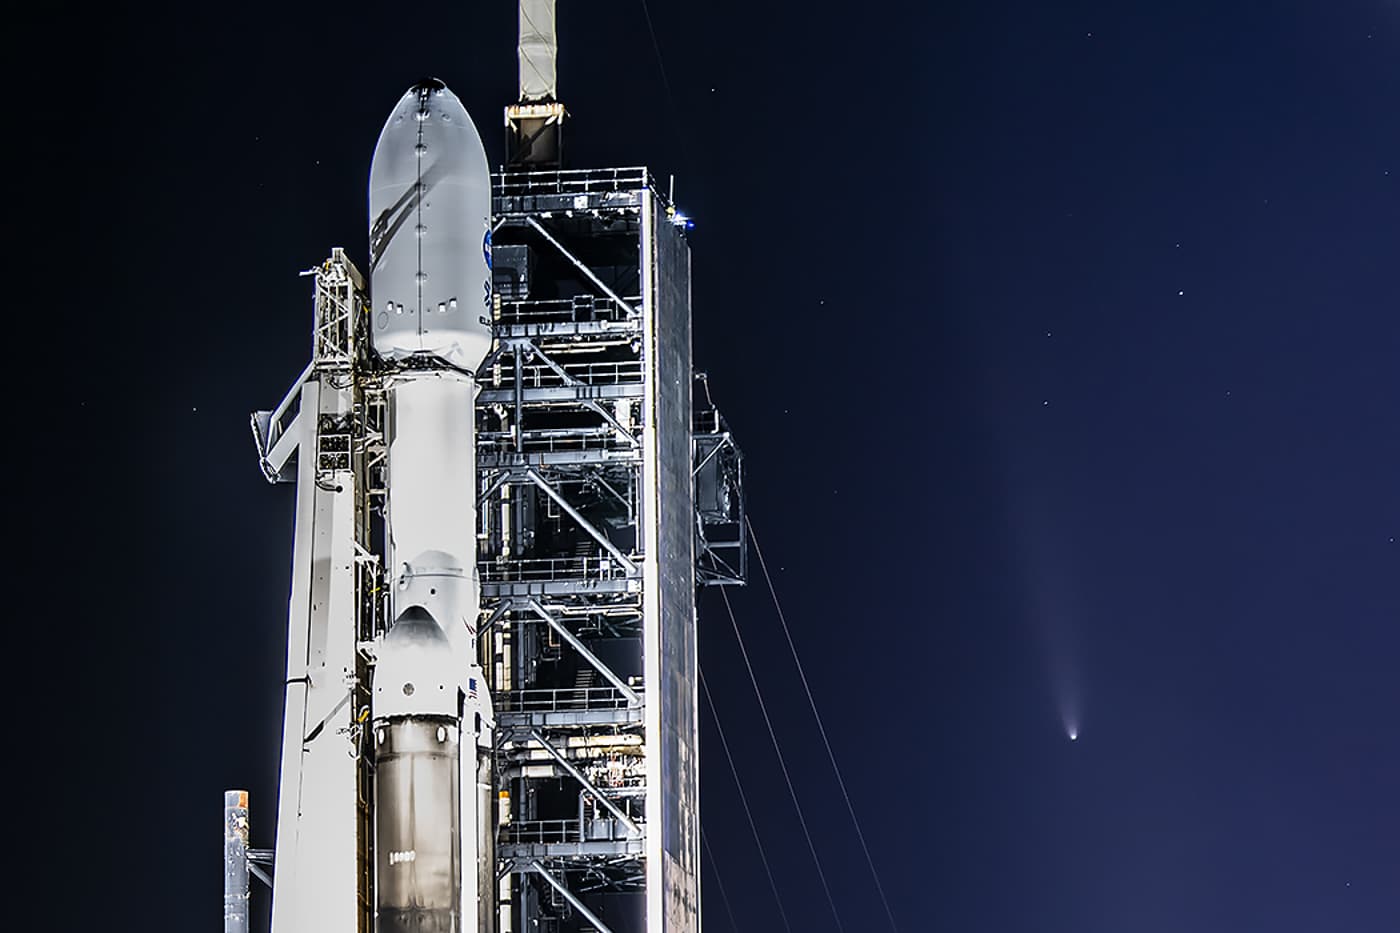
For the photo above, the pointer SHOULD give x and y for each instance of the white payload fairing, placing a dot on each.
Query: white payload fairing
(430, 287)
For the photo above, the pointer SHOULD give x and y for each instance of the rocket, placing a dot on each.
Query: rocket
(430, 713)
(393, 765)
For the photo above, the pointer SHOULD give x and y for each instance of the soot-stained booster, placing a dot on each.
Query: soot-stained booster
(507, 492)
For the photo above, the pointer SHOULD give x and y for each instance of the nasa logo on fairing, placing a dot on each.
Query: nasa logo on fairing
(486, 254)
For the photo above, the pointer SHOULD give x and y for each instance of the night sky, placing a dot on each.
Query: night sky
(1063, 342)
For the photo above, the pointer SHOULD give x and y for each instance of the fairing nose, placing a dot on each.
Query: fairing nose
(429, 209)
(428, 86)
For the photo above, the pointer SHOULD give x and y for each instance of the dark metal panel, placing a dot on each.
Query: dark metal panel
(677, 745)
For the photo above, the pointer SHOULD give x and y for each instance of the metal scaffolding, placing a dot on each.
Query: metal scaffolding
(592, 548)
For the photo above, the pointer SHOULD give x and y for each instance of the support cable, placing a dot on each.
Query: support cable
(714, 866)
(763, 707)
(850, 808)
(744, 799)
(665, 81)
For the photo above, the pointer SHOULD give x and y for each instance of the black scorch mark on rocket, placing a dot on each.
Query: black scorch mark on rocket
(391, 220)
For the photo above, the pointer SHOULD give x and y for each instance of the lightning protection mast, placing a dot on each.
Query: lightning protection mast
(507, 495)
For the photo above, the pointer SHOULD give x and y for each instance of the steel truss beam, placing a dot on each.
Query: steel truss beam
(529, 603)
(583, 780)
(571, 391)
(519, 476)
(587, 272)
(633, 698)
(521, 866)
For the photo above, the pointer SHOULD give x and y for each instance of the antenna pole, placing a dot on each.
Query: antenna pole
(534, 123)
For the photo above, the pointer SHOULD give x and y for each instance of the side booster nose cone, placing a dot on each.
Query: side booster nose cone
(430, 239)
(416, 672)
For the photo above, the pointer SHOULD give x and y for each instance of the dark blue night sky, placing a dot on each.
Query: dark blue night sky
(1063, 341)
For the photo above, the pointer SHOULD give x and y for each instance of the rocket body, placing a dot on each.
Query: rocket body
(430, 296)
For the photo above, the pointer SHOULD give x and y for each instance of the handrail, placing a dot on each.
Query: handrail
(554, 699)
(602, 567)
(572, 181)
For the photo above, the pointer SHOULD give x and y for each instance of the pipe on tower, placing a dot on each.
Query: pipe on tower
(539, 52)
(235, 861)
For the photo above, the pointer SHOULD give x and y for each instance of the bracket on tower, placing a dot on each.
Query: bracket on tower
(717, 484)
